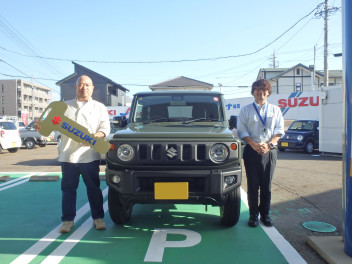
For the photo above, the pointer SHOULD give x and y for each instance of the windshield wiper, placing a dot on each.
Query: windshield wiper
(157, 120)
(200, 119)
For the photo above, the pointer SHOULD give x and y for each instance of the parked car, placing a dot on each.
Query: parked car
(30, 137)
(9, 136)
(57, 136)
(21, 125)
(54, 137)
(301, 134)
(176, 147)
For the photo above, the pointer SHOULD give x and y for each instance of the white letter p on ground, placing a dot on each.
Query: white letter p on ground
(158, 242)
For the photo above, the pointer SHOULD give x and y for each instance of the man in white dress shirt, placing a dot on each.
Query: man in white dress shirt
(260, 125)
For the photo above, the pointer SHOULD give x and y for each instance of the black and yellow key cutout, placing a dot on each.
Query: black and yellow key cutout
(55, 120)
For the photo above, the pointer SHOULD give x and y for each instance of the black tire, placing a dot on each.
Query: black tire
(13, 150)
(42, 145)
(230, 212)
(309, 147)
(120, 211)
(0, 149)
(29, 143)
(58, 139)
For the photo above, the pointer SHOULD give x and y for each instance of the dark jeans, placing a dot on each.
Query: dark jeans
(259, 171)
(69, 184)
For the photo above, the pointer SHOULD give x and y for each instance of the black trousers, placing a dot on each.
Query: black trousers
(259, 171)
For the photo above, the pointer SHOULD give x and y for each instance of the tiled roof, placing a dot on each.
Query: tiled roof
(181, 82)
(89, 70)
(335, 73)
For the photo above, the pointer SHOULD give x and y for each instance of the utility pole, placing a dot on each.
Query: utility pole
(326, 71)
(325, 14)
(273, 65)
(32, 97)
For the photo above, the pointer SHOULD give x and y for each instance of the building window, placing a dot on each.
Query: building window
(298, 71)
(2, 88)
(298, 87)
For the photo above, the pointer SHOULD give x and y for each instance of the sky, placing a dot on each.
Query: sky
(138, 43)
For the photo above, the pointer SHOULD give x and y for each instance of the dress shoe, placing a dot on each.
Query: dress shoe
(66, 226)
(253, 221)
(99, 224)
(266, 220)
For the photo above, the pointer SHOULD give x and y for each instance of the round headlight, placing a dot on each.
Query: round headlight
(125, 152)
(219, 153)
(299, 137)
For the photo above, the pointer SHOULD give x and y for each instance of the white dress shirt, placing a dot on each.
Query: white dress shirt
(92, 115)
(249, 123)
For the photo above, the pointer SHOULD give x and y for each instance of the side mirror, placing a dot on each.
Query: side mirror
(233, 122)
(119, 121)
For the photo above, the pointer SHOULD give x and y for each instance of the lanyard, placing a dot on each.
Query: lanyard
(266, 113)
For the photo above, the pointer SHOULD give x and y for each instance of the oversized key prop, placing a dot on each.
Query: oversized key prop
(57, 121)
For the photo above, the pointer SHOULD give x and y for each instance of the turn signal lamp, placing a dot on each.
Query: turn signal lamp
(233, 146)
(112, 147)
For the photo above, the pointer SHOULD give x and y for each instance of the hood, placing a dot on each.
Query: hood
(174, 132)
(298, 132)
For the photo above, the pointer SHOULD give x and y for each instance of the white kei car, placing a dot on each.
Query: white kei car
(9, 136)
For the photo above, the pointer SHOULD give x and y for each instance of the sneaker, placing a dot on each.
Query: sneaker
(99, 224)
(66, 226)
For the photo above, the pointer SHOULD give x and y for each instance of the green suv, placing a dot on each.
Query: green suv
(175, 148)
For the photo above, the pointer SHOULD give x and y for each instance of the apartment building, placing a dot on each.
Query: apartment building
(21, 97)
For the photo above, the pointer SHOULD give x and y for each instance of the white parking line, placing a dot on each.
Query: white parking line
(65, 247)
(286, 249)
(43, 243)
(16, 180)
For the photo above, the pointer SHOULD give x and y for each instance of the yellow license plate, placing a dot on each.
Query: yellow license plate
(284, 144)
(171, 190)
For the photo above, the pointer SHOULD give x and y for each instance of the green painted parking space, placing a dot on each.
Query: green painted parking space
(30, 220)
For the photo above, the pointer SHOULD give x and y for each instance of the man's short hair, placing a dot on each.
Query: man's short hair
(262, 85)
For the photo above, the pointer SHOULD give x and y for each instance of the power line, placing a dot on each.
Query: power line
(26, 75)
(24, 44)
(171, 61)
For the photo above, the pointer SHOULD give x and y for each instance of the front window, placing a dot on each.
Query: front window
(302, 125)
(178, 107)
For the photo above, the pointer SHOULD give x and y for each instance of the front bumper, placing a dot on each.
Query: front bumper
(8, 144)
(205, 186)
(290, 144)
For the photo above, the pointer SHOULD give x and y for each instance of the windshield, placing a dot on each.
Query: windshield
(302, 125)
(177, 107)
(8, 125)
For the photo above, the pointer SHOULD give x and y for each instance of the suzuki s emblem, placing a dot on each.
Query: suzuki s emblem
(171, 152)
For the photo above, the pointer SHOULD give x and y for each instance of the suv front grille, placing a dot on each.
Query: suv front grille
(171, 152)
